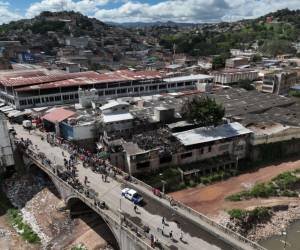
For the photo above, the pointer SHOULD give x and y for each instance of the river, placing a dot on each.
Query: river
(292, 239)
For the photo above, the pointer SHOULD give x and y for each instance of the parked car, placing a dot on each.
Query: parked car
(132, 195)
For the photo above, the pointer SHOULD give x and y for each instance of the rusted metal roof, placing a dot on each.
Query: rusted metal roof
(87, 78)
(58, 115)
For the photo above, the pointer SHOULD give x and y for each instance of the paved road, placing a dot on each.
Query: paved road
(150, 214)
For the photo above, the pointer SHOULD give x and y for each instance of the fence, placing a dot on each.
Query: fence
(136, 232)
(180, 205)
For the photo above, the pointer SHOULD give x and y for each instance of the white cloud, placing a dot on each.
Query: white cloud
(84, 6)
(193, 10)
(165, 10)
(6, 15)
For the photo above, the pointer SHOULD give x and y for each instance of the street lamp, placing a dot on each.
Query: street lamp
(163, 183)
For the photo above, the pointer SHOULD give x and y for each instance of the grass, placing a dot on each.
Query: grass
(79, 247)
(281, 185)
(257, 214)
(16, 220)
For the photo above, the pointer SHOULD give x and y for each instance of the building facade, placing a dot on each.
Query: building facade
(279, 83)
(230, 76)
(56, 89)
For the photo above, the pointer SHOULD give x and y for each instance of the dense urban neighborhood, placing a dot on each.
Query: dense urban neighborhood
(150, 136)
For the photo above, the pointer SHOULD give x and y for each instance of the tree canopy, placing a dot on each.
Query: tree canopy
(204, 111)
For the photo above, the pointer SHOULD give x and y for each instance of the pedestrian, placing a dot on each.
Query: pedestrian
(135, 208)
(62, 153)
(152, 240)
(171, 234)
(181, 236)
(102, 176)
(163, 220)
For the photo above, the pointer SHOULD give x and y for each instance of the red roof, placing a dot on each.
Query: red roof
(58, 115)
(24, 80)
(86, 78)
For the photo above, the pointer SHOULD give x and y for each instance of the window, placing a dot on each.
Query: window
(29, 101)
(23, 102)
(143, 165)
(180, 84)
(162, 86)
(76, 96)
(51, 99)
(57, 98)
(224, 147)
(71, 97)
(186, 155)
(201, 150)
(37, 100)
(209, 149)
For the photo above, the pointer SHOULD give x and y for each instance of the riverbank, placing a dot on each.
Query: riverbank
(282, 217)
(41, 208)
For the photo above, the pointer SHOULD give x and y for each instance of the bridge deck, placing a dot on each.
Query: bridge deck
(197, 233)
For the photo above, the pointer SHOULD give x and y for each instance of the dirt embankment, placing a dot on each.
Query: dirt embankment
(210, 199)
(41, 208)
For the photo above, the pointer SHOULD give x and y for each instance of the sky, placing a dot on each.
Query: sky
(148, 10)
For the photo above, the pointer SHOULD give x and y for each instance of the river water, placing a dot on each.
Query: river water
(292, 239)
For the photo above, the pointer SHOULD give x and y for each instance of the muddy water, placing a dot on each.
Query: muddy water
(292, 239)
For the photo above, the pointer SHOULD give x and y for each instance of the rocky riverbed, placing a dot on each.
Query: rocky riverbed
(282, 217)
(42, 209)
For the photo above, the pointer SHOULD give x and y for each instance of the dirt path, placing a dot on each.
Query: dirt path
(210, 199)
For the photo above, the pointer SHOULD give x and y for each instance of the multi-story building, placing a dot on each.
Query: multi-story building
(236, 62)
(230, 76)
(46, 88)
(279, 83)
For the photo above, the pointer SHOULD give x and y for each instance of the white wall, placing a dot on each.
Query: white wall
(6, 153)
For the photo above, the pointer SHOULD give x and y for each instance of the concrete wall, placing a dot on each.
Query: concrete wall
(6, 152)
(286, 135)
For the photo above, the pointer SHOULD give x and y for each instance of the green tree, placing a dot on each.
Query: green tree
(204, 111)
(219, 62)
(256, 58)
(277, 47)
(246, 84)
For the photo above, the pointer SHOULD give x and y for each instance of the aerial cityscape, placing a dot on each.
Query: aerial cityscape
(149, 124)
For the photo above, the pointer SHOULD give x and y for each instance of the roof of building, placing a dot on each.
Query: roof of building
(113, 103)
(233, 71)
(203, 134)
(269, 128)
(188, 78)
(117, 117)
(79, 79)
(132, 148)
(58, 115)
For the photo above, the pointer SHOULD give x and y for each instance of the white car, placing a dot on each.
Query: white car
(132, 195)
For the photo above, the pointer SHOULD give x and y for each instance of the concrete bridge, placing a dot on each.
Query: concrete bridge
(191, 230)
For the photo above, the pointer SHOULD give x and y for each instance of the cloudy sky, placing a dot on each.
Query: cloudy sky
(148, 10)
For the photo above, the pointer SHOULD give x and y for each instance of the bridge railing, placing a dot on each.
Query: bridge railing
(182, 206)
(135, 231)
(195, 213)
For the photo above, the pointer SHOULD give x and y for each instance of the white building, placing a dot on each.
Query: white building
(229, 76)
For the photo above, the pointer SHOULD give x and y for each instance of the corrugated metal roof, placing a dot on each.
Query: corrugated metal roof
(204, 134)
(117, 117)
(58, 115)
(86, 78)
(36, 79)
